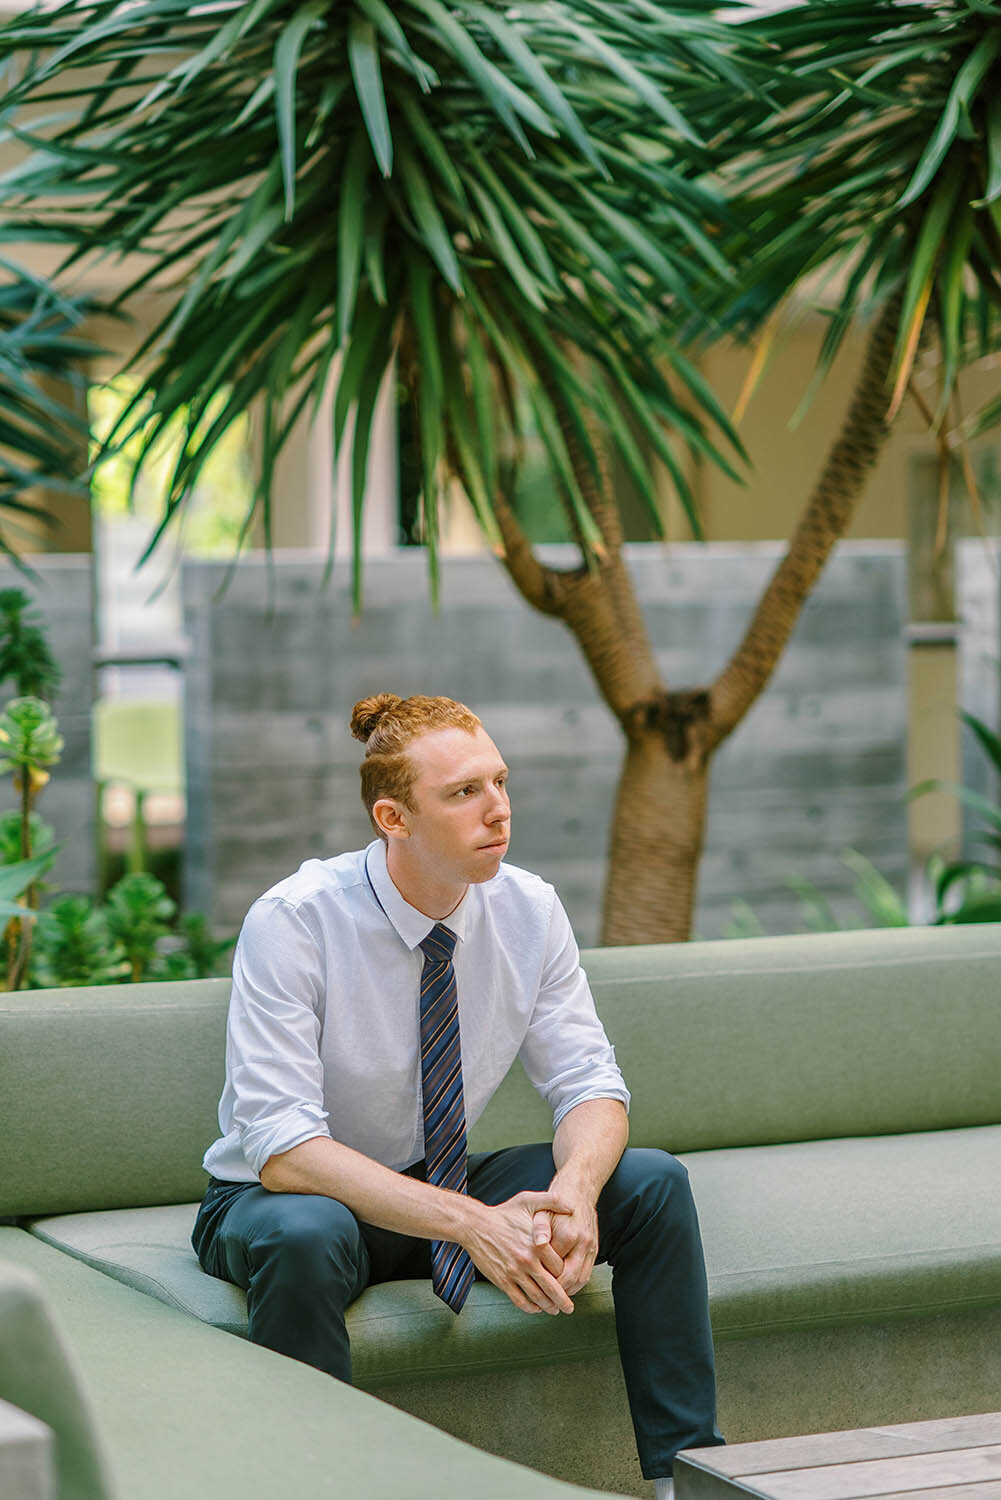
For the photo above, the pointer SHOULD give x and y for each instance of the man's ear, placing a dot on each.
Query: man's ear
(390, 817)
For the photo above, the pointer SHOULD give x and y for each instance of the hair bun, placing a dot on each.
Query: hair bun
(368, 711)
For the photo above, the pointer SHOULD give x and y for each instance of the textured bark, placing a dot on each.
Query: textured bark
(660, 808)
(657, 831)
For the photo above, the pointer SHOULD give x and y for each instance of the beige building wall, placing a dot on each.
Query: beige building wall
(900, 500)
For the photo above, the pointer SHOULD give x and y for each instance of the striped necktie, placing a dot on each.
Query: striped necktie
(444, 1110)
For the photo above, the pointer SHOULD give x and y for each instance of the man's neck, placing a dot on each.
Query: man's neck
(434, 898)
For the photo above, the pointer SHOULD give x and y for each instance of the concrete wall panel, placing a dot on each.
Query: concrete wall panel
(277, 663)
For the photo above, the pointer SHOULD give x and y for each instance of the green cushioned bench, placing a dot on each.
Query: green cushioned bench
(153, 1405)
(837, 1100)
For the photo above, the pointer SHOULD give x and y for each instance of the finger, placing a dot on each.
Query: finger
(553, 1296)
(522, 1303)
(574, 1281)
(543, 1202)
(552, 1261)
(577, 1269)
(540, 1302)
(542, 1227)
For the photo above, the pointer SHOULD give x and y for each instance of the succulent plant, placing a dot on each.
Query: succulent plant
(29, 739)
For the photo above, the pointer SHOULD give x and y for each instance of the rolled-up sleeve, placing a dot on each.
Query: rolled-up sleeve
(566, 1053)
(275, 1018)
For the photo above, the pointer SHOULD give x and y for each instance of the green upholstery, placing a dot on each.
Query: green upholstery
(793, 1038)
(835, 1098)
(797, 1236)
(39, 1375)
(149, 1249)
(831, 1232)
(396, 1329)
(187, 1411)
(111, 1092)
(108, 1094)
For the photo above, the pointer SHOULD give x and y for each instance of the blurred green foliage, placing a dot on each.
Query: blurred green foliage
(213, 521)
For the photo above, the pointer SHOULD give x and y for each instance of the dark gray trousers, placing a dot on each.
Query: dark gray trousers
(302, 1259)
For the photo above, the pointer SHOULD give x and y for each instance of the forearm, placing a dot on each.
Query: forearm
(372, 1192)
(499, 1238)
(587, 1146)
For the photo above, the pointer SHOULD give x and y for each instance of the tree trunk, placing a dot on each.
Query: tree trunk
(657, 831)
(659, 817)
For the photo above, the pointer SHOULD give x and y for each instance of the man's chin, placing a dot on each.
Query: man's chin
(488, 862)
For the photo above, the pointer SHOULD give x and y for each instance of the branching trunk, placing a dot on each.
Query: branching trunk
(659, 818)
(657, 830)
(824, 521)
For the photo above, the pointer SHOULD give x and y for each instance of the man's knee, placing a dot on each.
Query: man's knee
(308, 1239)
(653, 1181)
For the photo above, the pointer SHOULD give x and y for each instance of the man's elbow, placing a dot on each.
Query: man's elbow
(294, 1171)
(281, 1173)
(272, 1175)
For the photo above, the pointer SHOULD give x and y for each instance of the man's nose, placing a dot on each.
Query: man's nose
(500, 809)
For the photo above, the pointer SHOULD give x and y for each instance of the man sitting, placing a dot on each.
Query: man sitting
(348, 1093)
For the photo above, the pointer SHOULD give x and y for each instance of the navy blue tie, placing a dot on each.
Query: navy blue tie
(452, 1270)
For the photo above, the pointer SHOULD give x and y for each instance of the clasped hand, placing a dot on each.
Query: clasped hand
(539, 1248)
(573, 1235)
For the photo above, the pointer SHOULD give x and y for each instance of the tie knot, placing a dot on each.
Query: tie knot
(439, 944)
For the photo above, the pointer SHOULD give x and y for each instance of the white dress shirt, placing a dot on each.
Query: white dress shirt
(324, 1020)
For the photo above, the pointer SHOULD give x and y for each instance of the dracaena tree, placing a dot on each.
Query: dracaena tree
(526, 208)
(41, 437)
(879, 170)
(513, 205)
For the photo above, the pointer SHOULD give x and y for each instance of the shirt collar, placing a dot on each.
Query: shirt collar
(412, 925)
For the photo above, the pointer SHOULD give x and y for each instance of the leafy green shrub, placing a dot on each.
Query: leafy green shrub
(25, 654)
(969, 890)
(126, 940)
(41, 836)
(963, 890)
(139, 913)
(205, 954)
(74, 946)
(30, 742)
(882, 905)
(73, 942)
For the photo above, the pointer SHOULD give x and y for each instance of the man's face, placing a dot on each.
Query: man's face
(460, 822)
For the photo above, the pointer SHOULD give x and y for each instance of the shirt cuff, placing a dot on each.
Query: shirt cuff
(597, 1077)
(270, 1137)
(621, 1094)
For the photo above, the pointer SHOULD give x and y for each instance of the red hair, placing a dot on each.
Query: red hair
(386, 724)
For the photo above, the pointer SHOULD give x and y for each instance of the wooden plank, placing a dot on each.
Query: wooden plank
(989, 1489)
(951, 1432)
(811, 1450)
(808, 1452)
(919, 1471)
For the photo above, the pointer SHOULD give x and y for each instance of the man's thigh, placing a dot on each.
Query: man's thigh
(252, 1226)
(495, 1176)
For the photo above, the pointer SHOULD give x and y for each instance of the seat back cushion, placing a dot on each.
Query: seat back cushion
(795, 1038)
(108, 1094)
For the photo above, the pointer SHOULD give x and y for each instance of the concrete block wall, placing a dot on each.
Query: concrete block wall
(62, 593)
(277, 663)
(978, 605)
